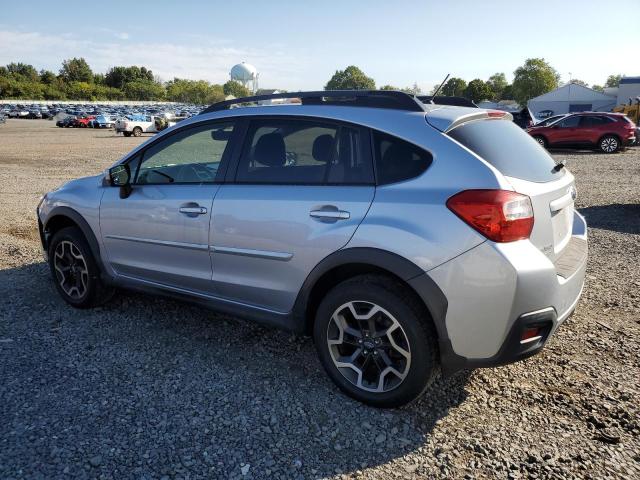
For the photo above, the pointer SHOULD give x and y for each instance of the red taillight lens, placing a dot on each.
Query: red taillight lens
(496, 113)
(499, 215)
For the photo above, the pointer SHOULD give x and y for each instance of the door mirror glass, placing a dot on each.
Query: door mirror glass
(120, 175)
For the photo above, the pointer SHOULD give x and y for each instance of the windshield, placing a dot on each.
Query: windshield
(508, 148)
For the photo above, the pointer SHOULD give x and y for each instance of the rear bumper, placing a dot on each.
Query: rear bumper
(496, 291)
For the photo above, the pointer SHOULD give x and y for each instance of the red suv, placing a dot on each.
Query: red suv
(607, 132)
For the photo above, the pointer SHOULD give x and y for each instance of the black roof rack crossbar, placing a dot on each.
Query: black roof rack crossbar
(349, 98)
(443, 100)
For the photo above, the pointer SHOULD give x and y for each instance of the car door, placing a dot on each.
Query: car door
(160, 232)
(566, 131)
(300, 188)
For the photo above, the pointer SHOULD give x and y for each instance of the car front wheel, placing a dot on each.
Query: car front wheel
(375, 341)
(75, 271)
(609, 144)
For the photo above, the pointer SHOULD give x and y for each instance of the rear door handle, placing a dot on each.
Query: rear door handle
(330, 214)
(193, 211)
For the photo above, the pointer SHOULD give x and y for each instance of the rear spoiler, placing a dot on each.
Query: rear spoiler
(442, 100)
(446, 120)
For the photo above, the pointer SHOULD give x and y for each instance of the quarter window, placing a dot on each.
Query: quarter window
(398, 160)
(303, 152)
(189, 156)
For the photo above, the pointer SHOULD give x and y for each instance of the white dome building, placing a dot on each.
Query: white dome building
(246, 74)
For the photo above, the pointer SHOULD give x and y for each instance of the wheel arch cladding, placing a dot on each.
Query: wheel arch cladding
(63, 217)
(350, 262)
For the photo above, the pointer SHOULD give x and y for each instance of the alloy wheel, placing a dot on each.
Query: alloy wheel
(540, 140)
(368, 346)
(609, 144)
(71, 269)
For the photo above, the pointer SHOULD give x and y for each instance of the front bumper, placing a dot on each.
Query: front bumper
(496, 291)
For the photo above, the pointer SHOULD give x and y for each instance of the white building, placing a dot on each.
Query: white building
(629, 88)
(572, 98)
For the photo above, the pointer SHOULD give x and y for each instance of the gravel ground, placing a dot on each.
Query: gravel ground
(152, 388)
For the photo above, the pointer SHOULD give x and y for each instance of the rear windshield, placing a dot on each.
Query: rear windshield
(508, 148)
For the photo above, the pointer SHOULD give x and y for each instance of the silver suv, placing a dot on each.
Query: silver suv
(406, 238)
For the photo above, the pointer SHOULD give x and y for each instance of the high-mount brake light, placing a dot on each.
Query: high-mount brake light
(496, 114)
(499, 215)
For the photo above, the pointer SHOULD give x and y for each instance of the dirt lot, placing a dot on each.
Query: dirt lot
(151, 388)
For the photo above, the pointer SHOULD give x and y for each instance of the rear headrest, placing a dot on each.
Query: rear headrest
(323, 148)
(270, 150)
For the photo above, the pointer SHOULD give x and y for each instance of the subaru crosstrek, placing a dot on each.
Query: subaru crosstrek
(406, 238)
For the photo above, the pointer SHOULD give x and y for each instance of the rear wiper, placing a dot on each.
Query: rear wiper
(557, 168)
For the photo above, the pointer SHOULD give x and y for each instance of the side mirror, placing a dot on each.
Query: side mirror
(120, 176)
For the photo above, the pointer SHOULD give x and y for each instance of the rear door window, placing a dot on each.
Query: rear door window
(303, 152)
(508, 148)
(569, 122)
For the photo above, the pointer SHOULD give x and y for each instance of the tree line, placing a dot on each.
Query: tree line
(76, 81)
(535, 77)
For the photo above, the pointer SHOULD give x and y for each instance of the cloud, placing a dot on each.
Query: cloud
(200, 57)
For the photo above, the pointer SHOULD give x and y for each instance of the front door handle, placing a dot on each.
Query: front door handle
(330, 214)
(192, 211)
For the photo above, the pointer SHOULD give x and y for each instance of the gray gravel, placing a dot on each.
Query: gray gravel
(152, 388)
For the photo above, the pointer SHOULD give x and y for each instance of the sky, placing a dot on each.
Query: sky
(298, 45)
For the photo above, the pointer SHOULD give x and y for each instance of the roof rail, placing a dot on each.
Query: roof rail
(349, 98)
(443, 100)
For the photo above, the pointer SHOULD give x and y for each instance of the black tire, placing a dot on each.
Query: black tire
(126, 134)
(395, 299)
(541, 140)
(95, 292)
(137, 131)
(609, 144)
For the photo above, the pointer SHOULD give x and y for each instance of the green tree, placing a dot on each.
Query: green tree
(117, 77)
(351, 78)
(454, 87)
(236, 89)
(76, 70)
(47, 77)
(577, 81)
(143, 90)
(497, 83)
(613, 81)
(79, 91)
(478, 90)
(507, 93)
(534, 78)
(389, 87)
(192, 91)
(22, 71)
(598, 88)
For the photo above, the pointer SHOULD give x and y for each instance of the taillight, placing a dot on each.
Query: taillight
(499, 215)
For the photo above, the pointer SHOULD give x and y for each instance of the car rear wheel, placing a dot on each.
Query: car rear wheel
(75, 271)
(137, 132)
(374, 341)
(541, 140)
(609, 144)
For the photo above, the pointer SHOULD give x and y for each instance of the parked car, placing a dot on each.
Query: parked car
(607, 132)
(522, 118)
(83, 121)
(103, 121)
(136, 125)
(406, 238)
(66, 122)
(3, 118)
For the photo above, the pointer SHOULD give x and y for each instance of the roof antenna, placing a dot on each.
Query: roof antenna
(438, 89)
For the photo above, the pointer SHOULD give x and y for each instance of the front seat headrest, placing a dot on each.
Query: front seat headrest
(270, 150)
(323, 148)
